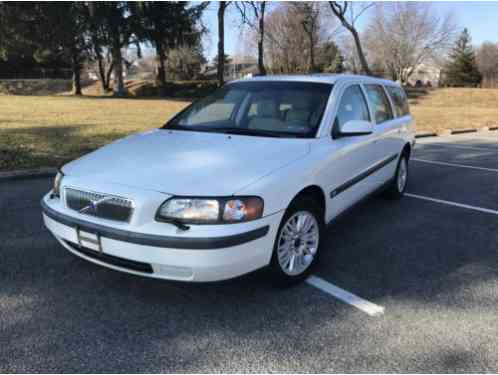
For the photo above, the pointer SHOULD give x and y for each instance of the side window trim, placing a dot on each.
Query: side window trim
(386, 96)
(405, 102)
(404, 98)
(391, 106)
(371, 114)
(391, 103)
(365, 99)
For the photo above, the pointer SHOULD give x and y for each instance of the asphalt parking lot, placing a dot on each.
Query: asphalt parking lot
(429, 262)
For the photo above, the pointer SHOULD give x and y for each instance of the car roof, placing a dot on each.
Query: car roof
(319, 77)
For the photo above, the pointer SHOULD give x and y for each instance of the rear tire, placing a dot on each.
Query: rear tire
(397, 186)
(298, 242)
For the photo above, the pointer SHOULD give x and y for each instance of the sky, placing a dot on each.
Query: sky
(481, 18)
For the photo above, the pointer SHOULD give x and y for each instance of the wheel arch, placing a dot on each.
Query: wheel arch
(407, 150)
(316, 193)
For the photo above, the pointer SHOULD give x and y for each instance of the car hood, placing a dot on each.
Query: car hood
(188, 162)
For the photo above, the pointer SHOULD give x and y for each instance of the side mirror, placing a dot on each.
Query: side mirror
(356, 127)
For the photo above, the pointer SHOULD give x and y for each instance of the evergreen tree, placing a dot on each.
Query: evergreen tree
(60, 27)
(168, 26)
(338, 63)
(329, 58)
(25, 51)
(462, 69)
(118, 25)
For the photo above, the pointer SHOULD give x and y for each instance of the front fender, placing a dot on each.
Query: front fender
(279, 188)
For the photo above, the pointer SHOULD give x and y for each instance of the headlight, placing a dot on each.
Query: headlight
(211, 210)
(190, 210)
(56, 190)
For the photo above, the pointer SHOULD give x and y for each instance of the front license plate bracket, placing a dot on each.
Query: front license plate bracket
(89, 240)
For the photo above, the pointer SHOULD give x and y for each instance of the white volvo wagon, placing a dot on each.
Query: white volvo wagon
(245, 178)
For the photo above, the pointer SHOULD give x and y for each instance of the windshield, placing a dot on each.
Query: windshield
(279, 109)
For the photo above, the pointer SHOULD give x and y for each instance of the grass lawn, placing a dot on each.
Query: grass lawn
(455, 108)
(49, 130)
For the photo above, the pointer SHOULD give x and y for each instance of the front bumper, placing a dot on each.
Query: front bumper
(229, 251)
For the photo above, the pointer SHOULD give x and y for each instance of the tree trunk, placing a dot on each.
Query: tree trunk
(76, 68)
(161, 69)
(361, 54)
(77, 82)
(102, 75)
(117, 60)
(221, 42)
(100, 63)
(103, 82)
(261, 65)
(339, 12)
(107, 77)
(312, 53)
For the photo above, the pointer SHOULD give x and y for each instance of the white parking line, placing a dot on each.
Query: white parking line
(454, 165)
(475, 208)
(452, 145)
(486, 137)
(368, 307)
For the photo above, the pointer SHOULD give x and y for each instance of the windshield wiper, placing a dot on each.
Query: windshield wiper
(246, 131)
(238, 131)
(175, 127)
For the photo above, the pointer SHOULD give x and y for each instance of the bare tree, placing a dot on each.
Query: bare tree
(487, 61)
(253, 15)
(285, 38)
(292, 43)
(403, 36)
(222, 6)
(351, 60)
(310, 22)
(340, 10)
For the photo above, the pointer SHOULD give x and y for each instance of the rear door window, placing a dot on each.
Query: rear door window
(399, 100)
(379, 103)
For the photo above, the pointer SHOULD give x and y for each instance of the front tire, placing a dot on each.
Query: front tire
(298, 242)
(397, 187)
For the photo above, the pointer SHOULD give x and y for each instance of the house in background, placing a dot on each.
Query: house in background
(426, 75)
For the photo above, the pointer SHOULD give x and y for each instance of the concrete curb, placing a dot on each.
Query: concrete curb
(425, 135)
(456, 131)
(25, 174)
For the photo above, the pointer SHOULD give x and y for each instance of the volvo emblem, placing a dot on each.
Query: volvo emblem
(92, 207)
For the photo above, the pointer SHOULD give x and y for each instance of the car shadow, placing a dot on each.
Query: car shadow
(409, 249)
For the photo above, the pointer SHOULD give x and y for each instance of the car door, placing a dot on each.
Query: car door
(347, 168)
(387, 146)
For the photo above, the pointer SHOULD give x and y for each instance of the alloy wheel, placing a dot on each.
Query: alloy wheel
(402, 175)
(298, 243)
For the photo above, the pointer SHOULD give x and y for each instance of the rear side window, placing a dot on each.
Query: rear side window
(379, 103)
(352, 107)
(399, 99)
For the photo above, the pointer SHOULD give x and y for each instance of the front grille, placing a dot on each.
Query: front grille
(105, 206)
(111, 259)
